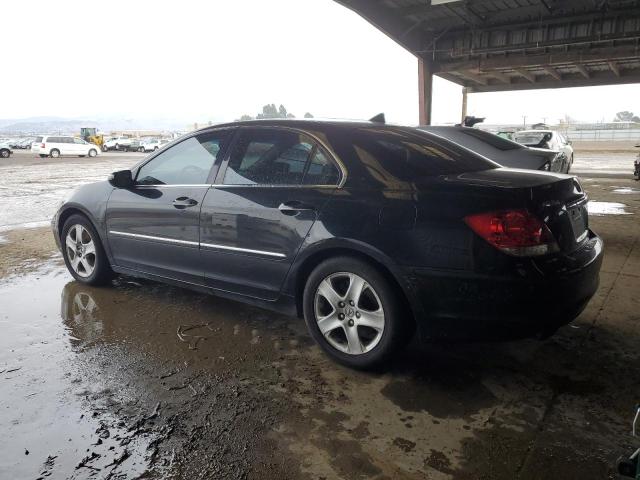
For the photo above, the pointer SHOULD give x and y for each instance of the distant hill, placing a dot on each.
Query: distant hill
(34, 125)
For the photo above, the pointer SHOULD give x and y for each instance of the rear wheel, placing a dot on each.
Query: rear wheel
(93, 152)
(4, 153)
(83, 253)
(354, 313)
(55, 153)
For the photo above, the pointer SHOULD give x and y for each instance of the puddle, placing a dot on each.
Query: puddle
(626, 191)
(607, 208)
(115, 379)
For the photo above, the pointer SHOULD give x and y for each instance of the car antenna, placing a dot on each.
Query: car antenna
(379, 118)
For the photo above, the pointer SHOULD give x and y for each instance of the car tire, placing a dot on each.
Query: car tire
(117, 147)
(83, 252)
(346, 338)
(42, 155)
(104, 149)
(4, 153)
(93, 152)
(155, 148)
(55, 153)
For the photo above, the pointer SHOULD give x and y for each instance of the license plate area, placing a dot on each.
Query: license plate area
(578, 217)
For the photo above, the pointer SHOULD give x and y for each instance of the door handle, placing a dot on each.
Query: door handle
(184, 202)
(294, 207)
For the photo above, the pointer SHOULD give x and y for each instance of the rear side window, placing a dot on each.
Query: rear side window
(321, 170)
(268, 157)
(187, 163)
(407, 155)
(38, 140)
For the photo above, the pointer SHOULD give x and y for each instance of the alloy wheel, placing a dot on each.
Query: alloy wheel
(349, 313)
(81, 250)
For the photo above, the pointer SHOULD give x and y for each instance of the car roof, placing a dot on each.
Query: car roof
(303, 123)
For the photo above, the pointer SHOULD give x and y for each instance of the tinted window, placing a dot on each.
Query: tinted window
(268, 157)
(410, 154)
(321, 171)
(53, 139)
(187, 163)
(38, 139)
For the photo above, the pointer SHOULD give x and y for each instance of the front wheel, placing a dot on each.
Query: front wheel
(354, 313)
(93, 152)
(4, 153)
(83, 253)
(54, 153)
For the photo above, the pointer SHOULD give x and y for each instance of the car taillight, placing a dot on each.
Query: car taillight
(42, 145)
(515, 232)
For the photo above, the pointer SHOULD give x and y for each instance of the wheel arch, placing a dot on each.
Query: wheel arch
(303, 268)
(77, 209)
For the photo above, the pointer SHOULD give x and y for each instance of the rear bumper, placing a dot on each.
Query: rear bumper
(536, 298)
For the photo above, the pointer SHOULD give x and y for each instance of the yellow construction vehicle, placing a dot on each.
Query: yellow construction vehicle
(90, 135)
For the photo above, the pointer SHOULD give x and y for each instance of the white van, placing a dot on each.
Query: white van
(55, 145)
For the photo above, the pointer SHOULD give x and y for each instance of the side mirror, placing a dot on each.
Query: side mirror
(121, 179)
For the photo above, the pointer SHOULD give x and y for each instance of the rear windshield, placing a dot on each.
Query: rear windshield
(409, 154)
(531, 138)
(492, 139)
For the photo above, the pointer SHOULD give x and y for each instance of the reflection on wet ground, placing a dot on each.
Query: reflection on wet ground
(607, 208)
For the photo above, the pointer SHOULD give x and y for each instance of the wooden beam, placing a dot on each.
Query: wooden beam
(474, 77)
(528, 75)
(614, 68)
(583, 70)
(552, 71)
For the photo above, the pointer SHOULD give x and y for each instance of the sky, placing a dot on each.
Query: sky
(216, 60)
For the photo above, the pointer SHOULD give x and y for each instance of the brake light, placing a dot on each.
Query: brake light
(42, 145)
(515, 232)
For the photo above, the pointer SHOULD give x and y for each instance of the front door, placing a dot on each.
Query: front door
(266, 198)
(154, 226)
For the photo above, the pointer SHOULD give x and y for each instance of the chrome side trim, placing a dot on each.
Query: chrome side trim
(196, 244)
(150, 237)
(246, 250)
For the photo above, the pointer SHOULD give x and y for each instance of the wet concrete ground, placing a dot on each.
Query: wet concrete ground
(142, 380)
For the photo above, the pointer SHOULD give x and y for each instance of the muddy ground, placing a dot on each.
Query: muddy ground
(142, 380)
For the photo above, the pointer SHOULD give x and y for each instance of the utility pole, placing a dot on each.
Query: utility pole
(524, 121)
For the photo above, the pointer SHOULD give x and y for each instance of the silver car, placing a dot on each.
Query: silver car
(501, 150)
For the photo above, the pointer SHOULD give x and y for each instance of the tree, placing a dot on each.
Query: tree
(626, 116)
(308, 115)
(270, 111)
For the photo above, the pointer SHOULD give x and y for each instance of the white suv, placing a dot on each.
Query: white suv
(55, 145)
(152, 145)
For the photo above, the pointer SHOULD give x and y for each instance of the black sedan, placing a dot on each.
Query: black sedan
(369, 231)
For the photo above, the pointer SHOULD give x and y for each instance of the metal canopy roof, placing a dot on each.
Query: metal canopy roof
(496, 45)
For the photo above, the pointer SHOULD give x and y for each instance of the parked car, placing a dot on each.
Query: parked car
(152, 144)
(56, 145)
(549, 140)
(369, 231)
(5, 150)
(499, 149)
(117, 143)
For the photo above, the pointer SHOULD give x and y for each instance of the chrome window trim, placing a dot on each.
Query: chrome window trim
(196, 244)
(161, 185)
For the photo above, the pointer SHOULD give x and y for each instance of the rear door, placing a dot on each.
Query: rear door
(153, 227)
(268, 194)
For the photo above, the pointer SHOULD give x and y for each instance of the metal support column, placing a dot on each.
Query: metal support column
(464, 105)
(425, 92)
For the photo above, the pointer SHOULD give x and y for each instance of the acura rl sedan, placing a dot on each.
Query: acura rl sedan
(370, 232)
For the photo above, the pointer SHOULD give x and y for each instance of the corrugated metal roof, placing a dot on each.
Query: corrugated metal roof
(490, 45)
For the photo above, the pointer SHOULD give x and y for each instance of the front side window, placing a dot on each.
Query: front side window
(187, 163)
(268, 157)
